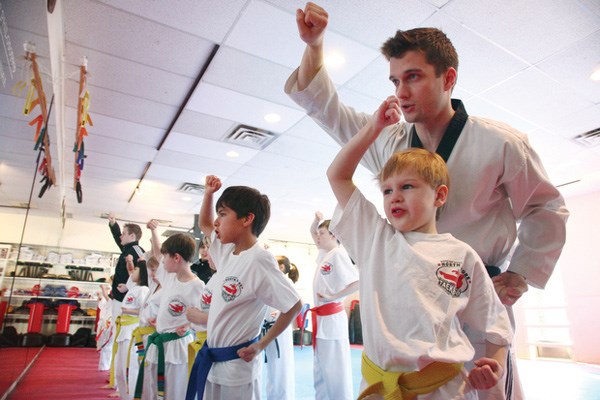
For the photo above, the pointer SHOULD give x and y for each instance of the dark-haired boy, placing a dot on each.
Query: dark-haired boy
(247, 281)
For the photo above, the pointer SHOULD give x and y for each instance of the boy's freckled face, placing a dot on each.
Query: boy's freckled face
(409, 202)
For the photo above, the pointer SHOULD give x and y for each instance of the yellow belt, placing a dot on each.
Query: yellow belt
(405, 385)
(194, 347)
(122, 320)
(137, 337)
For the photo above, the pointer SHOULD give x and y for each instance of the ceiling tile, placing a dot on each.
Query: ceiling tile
(547, 26)
(202, 125)
(248, 110)
(216, 17)
(475, 73)
(373, 24)
(134, 78)
(125, 107)
(270, 33)
(574, 66)
(541, 99)
(121, 148)
(237, 70)
(202, 164)
(114, 128)
(129, 36)
(207, 148)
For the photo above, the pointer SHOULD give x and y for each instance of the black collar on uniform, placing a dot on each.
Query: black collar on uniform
(455, 127)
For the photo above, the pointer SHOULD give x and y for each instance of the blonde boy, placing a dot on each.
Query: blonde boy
(246, 283)
(164, 372)
(418, 288)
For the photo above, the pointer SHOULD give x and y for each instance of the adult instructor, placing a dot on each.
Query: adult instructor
(497, 179)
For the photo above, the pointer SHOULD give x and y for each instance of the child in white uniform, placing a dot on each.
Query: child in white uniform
(129, 321)
(247, 281)
(335, 278)
(104, 339)
(418, 287)
(147, 315)
(279, 354)
(181, 289)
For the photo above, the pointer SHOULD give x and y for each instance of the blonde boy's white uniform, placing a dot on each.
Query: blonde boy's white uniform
(417, 291)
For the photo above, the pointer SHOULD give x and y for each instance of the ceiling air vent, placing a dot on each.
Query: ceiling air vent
(191, 188)
(249, 136)
(589, 138)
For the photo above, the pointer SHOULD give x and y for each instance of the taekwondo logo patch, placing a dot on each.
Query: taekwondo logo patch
(129, 300)
(232, 288)
(452, 278)
(176, 307)
(326, 268)
(205, 300)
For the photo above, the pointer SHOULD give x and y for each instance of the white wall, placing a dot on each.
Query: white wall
(573, 289)
(580, 269)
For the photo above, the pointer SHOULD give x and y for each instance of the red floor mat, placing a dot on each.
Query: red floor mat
(13, 361)
(63, 373)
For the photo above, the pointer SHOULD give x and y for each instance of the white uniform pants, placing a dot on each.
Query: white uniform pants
(176, 380)
(281, 379)
(249, 391)
(333, 370)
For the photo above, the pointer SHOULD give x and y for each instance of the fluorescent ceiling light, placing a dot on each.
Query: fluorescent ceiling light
(272, 117)
(334, 60)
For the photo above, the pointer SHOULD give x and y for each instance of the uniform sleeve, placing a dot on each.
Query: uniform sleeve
(141, 296)
(321, 102)
(275, 290)
(484, 311)
(358, 212)
(542, 213)
(115, 230)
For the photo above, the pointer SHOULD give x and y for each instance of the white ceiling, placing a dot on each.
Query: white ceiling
(527, 63)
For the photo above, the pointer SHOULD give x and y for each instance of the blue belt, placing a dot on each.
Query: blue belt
(203, 363)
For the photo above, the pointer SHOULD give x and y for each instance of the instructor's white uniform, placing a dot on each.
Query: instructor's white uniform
(418, 291)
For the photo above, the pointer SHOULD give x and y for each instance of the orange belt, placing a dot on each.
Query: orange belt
(322, 310)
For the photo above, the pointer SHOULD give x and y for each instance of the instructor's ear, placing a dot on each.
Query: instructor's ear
(450, 77)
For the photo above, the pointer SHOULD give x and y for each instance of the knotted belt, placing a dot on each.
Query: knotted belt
(157, 339)
(194, 347)
(137, 337)
(204, 362)
(322, 310)
(263, 331)
(122, 320)
(107, 328)
(405, 385)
